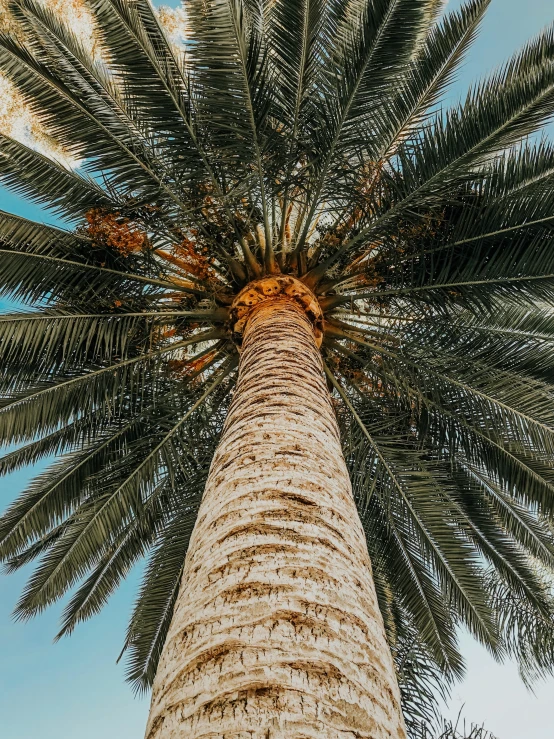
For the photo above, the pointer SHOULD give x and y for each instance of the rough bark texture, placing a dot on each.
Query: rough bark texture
(277, 633)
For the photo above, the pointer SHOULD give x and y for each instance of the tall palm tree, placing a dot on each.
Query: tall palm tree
(301, 318)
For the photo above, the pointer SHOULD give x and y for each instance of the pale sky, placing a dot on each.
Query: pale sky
(74, 689)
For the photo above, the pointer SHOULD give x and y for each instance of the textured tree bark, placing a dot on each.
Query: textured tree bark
(276, 632)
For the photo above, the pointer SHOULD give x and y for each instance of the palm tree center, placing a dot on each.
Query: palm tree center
(275, 288)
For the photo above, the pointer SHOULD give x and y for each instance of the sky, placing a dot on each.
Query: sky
(75, 690)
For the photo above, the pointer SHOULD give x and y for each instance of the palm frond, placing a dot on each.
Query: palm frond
(47, 182)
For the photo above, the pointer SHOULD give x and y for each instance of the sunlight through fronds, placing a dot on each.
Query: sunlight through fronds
(176, 25)
(77, 17)
(18, 122)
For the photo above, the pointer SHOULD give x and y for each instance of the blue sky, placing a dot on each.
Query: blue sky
(74, 689)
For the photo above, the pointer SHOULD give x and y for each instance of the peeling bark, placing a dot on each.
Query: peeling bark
(276, 632)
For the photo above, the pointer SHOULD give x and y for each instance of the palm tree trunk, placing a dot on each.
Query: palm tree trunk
(276, 631)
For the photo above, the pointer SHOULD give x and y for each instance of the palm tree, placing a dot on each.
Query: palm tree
(299, 318)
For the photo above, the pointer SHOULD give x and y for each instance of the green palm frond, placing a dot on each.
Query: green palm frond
(429, 75)
(154, 606)
(48, 182)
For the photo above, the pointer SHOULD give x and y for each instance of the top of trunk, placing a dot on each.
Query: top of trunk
(275, 288)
